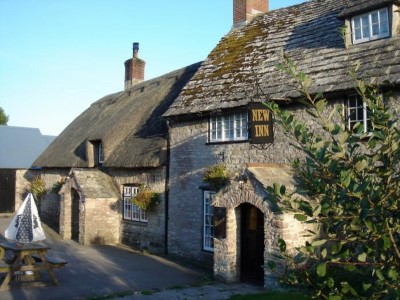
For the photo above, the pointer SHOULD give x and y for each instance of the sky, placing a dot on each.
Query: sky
(57, 57)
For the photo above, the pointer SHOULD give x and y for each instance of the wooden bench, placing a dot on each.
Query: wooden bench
(4, 268)
(54, 262)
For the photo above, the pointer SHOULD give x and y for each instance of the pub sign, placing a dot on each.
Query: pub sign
(261, 126)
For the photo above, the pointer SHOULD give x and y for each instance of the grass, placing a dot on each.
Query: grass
(271, 296)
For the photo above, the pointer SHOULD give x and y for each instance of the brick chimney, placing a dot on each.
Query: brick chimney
(245, 10)
(134, 68)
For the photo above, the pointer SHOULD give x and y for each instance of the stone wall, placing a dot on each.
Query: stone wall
(49, 204)
(23, 180)
(148, 236)
(191, 154)
(98, 223)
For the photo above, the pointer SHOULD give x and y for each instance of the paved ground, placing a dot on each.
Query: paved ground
(94, 272)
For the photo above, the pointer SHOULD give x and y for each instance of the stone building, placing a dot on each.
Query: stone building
(214, 120)
(166, 132)
(109, 154)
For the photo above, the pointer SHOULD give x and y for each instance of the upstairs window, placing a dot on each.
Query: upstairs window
(131, 211)
(231, 127)
(357, 112)
(370, 26)
(100, 153)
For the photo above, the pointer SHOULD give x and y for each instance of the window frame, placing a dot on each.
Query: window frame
(356, 108)
(100, 153)
(208, 236)
(230, 127)
(130, 211)
(382, 25)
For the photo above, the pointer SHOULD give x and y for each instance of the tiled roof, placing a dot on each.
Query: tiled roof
(244, 62)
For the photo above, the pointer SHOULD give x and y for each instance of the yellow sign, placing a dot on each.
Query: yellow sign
(261, 129)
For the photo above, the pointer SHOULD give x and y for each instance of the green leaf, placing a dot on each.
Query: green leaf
(361, 165)
(324, 253)
(321, 105)
(300, 217)
(330, 282)
(392, 274)
(362, 257)
(282, 245)
(343, 137)
(321, 269)
(379, 274)
(345, 177)
(366, 286)
(386, 242)
(318, 243)
(271, 265)
(335, 297)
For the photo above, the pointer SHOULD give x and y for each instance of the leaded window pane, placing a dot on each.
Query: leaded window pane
(228, 128)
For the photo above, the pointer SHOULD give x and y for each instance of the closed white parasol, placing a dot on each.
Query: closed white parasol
(25, 227)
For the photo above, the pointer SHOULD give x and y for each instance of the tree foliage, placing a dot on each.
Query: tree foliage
(3, 117)
(351, 180)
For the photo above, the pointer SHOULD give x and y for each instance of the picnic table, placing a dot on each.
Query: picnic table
(30, 258)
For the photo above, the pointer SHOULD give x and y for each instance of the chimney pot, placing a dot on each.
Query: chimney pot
(135, 47)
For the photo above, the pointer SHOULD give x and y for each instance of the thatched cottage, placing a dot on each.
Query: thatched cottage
(106, 156)
(212, 120)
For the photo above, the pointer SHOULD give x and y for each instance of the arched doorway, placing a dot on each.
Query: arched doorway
(252, 244)
(74, 215)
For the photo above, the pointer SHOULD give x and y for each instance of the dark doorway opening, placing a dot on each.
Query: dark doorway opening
(252, 244)
(75, 215)
(7, 191)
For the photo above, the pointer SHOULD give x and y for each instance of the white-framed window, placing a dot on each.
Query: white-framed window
(231, 127)
(100, 152)
(208, 227)
(370, 26)
(357, 112)
(130, 210)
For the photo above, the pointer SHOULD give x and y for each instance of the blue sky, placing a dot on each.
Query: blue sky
(59, 56)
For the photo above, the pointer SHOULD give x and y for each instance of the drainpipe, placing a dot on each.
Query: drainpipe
(167, 190)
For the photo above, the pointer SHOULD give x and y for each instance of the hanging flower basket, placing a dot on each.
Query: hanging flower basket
(216, 176)
(146, 199)
(38, 187)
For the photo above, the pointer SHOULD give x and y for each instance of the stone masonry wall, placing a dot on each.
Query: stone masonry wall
(190, 156)
(98, 223)
(148, 236)
(23, 180)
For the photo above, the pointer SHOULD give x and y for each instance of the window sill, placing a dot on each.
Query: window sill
(227, 142)
(138, 223)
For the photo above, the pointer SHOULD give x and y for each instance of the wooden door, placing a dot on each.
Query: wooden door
(252, 244)
(7, 190)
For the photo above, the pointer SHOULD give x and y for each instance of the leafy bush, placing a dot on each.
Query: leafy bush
(352, 183)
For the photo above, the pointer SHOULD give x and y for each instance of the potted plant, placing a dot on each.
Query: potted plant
(216, 175)
(146, 199)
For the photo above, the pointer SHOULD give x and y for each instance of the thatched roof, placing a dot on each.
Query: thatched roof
(128, 123)
(358, 7)
(309, 33)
